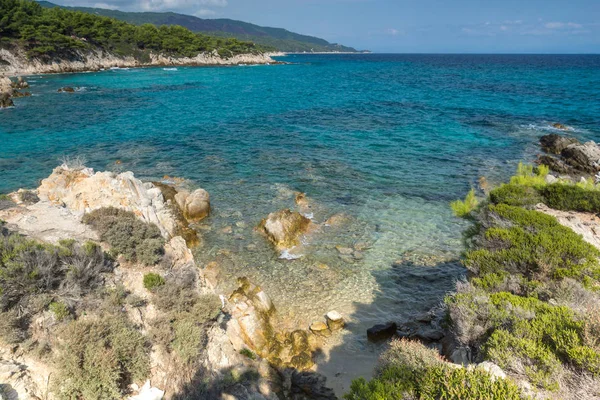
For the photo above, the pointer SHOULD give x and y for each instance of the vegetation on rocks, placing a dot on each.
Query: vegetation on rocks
(153, 281)
(409, 370)
(46, 33)
(462, 208)
(127, 235)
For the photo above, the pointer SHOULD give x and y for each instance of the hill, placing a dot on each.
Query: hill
(281, 39)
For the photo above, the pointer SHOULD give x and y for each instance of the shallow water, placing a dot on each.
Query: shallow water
(386, 140)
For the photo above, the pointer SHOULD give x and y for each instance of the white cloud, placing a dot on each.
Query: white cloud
(204, 12)
(393, 32)
(562, 25)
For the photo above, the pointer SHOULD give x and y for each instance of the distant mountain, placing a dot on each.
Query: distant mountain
(281, 39)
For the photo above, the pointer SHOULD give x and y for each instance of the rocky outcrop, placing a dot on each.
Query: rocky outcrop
(284, 228)
(585, 224)
(253, 325)
(83, 190)
(66, 89)
(5, 100)
(17, 62)
(569, 156)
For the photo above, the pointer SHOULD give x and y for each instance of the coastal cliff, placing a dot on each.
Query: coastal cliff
(16, 62)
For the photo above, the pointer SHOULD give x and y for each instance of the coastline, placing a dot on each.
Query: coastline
(16, 63)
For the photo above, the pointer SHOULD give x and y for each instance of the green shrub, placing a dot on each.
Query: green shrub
(462, 208)
(29, 268)
(535, 246)
(437, 382)
(571, 198)
(152, 281)
(527, 175)
(100, 358)
(127, 235)
(248, 353)
(60, 310)
(515, 195)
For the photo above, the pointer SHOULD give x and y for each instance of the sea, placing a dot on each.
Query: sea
(380, 142)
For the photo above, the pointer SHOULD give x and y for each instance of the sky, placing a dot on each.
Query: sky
(408, 26)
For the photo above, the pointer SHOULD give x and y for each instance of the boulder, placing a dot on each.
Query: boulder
(5, 85)
(429, 334)
(195, 206)
(20, 83)
(584, 157)
(555, 144)
(66, 89)
(148, 393)
(494, 370)
(284, 228)
(320, 329)
(382, 332)
(5, 100)
(335, 321)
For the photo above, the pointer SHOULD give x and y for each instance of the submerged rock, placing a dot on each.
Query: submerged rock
(558, 125)
(195, 206)
(66, 89)
(382, 332)
(320, 328)
(284, 227)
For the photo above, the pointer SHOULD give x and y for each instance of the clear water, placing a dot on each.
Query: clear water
(386, 140)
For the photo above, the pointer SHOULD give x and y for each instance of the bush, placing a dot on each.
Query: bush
(127, 235)
(152, 281)
(418, 373)
(248, 353)
(534, 245)
(29, 268)
(515, 195)
(463, 208)
(100, 358)
(571, 198)
(60, 310)
(527, 175)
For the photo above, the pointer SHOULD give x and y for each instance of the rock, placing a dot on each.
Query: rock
(66, 89)
(284, 228)
(320, 328)
(344, 250)
(148, 393)
(80, 189)
(381, 332)
(309, 385)
(20, 83)
(550, 179)
(584, 157)
(17, 382)
(555, 144)
(560, 126)
(195, 206)
(5, 85)
(335, 321)
(178, 253)
(428, 333)
(461, 355)
(5, 100)
(494, 370)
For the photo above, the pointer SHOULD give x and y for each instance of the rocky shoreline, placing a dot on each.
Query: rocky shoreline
(13, 63)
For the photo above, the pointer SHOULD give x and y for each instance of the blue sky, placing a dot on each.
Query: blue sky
(480, 26)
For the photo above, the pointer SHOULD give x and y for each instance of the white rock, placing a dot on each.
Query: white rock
(494, 370)
(148, 393)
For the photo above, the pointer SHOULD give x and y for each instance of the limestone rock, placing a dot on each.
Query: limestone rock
(195, 206)
(20, 83)
(148, 393)
(177, 251)
(16, 382)
(82, 190)
(335, 321)
(284, 228)
(381, 332)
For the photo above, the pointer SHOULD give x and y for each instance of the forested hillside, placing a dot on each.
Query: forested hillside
(280, 39)
(55, 32)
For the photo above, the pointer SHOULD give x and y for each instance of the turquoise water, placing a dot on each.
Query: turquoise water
(386, 140)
